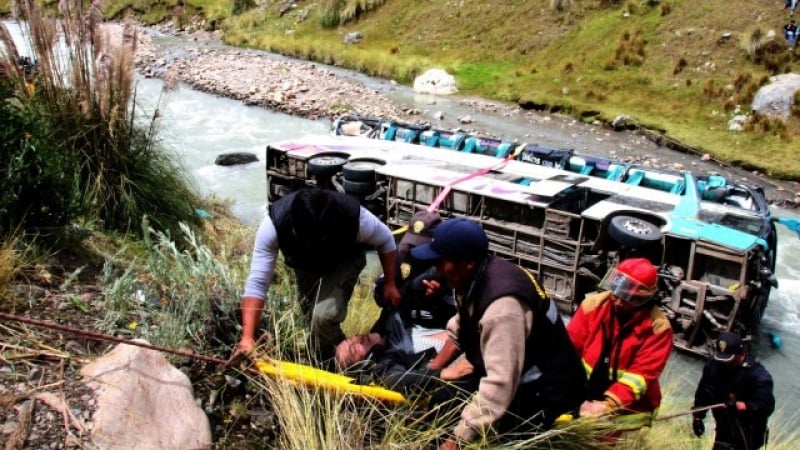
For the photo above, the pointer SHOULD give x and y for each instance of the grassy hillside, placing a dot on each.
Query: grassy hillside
(680, 66)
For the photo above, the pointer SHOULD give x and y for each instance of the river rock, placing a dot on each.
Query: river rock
(777, 98)
(354, 37)
(436, 82)
(143, 402)
(232, 159)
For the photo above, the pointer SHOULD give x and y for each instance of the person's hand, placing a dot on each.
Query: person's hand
(457, 370)
(594, 408)
(432, 287)
(732, 406)
(391, 295)
(449, 444)
(698, 426)
(245, 348)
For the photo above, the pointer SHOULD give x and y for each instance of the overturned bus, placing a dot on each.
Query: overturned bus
(564, 216)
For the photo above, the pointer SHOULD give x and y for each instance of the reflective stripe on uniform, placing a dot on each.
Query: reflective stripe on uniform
(634, 381)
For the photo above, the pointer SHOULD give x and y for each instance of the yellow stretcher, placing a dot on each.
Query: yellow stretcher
(308, 376)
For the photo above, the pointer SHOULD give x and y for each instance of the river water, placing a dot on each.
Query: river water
(198, 127)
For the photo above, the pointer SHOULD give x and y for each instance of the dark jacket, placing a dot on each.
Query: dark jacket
(553, 379)
(416, 308)
(335, 245)
(750, 383)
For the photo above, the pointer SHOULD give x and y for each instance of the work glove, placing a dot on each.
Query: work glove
(698, 426)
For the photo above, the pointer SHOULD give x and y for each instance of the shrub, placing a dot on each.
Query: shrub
(562, 5)
(77, 154)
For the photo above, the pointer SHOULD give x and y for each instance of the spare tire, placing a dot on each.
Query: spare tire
(361, 169)
(326, 164)
(358, 188)
(633, 231)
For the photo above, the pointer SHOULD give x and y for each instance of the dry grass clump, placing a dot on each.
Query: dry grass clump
(562, 5)
(339, 12)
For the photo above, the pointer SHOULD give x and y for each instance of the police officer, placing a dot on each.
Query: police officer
(733, 377)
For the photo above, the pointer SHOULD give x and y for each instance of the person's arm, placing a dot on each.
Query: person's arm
(505, 327)
(761, 402)
(262, 268)
(704, 394)
(650, 360)
(450, 349)
(577, 330)
(373, 232)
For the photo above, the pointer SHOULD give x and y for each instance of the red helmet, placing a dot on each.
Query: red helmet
(632, 280)
(640, 269)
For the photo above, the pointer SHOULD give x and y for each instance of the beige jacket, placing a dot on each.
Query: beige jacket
(504, 328)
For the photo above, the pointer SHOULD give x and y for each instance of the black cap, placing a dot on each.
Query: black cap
(455, 239)
(420, 228)
(727, 346)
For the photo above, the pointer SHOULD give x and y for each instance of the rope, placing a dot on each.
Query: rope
(107, 337)
(691, 411)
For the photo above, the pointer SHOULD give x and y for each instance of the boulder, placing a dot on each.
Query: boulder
(143, 402)
(354, 37)
(436, 82)
(232, 159)
(777, 98)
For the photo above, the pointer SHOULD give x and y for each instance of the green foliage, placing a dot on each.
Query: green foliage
(339, 12)
(36, 183)
(523, 53)
(175, 297)
(72, 149)
(330, 13)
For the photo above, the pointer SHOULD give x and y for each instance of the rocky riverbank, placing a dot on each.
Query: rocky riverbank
(309, 90)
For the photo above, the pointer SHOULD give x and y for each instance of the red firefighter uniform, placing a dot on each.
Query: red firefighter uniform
(633, 348)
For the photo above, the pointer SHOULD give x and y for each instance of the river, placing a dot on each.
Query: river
(198, 127)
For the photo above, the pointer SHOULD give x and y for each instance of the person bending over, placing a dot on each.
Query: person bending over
(322, 235)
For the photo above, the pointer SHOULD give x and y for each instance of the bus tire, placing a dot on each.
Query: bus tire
(361, 169)
(633, 231)
(326, 165)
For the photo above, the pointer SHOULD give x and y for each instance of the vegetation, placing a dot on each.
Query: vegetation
(73, 151)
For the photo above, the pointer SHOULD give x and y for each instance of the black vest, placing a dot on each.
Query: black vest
(329, 254)
(548, 347)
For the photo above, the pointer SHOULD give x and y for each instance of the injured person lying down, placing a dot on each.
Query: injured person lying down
(398, 357)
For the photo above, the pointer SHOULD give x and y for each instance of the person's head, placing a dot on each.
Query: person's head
(632, 283)
(355, 349)
(420, 229)
(730, 349)
(313, 212)
(458, 247)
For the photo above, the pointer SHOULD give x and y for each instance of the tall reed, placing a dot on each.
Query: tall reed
(81, 107)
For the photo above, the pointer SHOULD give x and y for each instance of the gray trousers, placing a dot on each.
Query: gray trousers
(324, 302)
